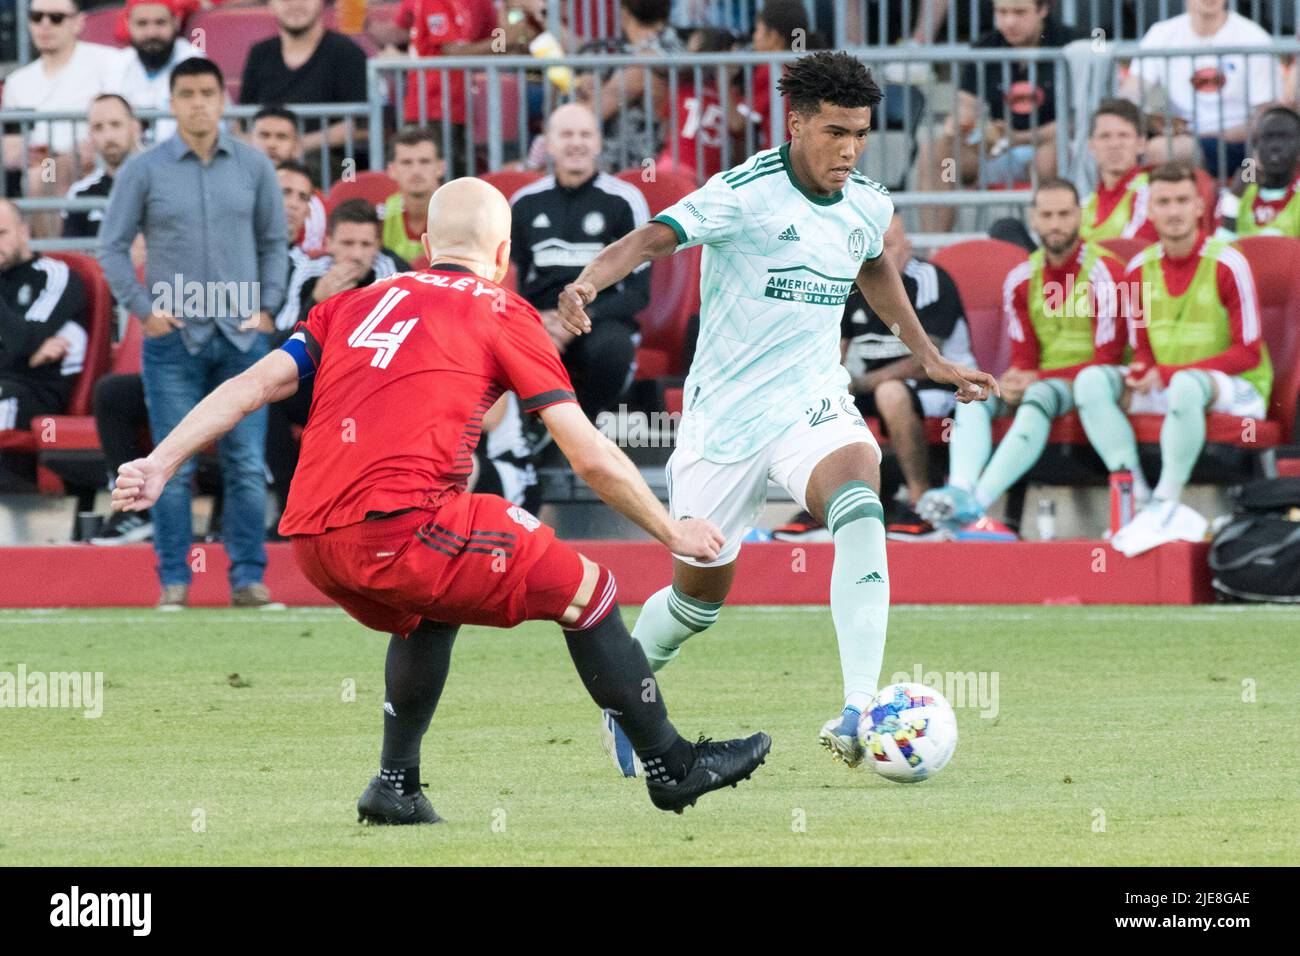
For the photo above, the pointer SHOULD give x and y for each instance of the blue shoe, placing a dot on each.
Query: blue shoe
(986, 529)
(618, 746)
(949, 508)
(840, 736)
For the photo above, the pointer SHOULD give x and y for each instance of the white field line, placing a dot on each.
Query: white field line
(985, 612)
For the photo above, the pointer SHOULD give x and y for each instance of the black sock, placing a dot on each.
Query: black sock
(414, 674)
(618, 677)
(406, 779)
(672, 766)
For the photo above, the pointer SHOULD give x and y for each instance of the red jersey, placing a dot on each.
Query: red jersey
(311, 237)
(699, 120)
(759, 110)
(1236, 288)
(405, 369)
(1108, 200)
(1108, 325)
(433, 25)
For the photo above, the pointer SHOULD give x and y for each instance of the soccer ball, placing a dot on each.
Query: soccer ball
(908, 733)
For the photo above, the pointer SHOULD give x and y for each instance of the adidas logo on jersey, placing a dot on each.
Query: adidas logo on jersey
(872, 578)
(542, 221)
(790, 234)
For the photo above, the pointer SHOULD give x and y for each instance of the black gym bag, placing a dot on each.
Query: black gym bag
(1256, 556)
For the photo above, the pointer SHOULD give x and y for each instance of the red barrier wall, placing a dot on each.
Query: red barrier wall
(1059, 572)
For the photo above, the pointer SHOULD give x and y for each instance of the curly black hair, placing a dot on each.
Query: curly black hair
(828, 76)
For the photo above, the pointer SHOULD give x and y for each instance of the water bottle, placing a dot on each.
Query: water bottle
(1046, 520)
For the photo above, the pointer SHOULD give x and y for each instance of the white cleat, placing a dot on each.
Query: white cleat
(841, 740)
(1160, 522)
(618, 746)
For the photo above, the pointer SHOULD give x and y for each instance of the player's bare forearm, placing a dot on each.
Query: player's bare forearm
(273, 378)
(615, 262)
(612, 476)
(909, 366)
(883, 288)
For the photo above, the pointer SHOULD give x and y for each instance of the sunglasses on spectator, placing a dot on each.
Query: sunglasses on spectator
(36, 16)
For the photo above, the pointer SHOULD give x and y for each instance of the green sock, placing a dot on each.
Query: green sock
(1182, 436)
(668, 618)
(1097, 391)
(1025, 440)
(859, 587)
(972, 442)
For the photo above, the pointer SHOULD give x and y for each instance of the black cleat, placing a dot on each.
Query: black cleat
(716, 765)
(382, 805)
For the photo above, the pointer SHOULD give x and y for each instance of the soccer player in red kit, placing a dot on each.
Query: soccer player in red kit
(381, 520)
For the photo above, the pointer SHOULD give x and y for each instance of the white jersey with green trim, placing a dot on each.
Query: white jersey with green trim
(777, 266)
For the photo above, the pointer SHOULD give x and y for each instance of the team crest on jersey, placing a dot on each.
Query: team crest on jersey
(437, 23)
(593, 223)
(1265, 214)
(857, 244)
(519, 516)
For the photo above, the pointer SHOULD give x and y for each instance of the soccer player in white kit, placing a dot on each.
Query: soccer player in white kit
(785, 234)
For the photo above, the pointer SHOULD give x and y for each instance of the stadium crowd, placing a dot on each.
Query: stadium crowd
(239, 207)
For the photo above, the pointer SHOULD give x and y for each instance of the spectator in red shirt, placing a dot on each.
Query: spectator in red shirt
(781, 26)
(1198, 347)
(698, 111)
(299, 193)
(452, 28)
(1117, 209)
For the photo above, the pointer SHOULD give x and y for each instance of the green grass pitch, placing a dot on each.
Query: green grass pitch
(1122, 736)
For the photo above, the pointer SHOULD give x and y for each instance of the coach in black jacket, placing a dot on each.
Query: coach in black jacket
(560, 223)
(43, 338)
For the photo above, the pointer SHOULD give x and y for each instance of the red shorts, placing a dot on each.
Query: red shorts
(476, 560)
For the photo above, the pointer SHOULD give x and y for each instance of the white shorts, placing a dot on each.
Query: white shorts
(937, 402)
(732, 494)
(1235, 396)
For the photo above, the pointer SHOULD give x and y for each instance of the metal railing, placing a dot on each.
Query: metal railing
(40, 128)
(510, 95)
(857, 23)
(638, 131)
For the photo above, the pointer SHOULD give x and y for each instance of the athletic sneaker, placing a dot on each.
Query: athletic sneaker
(716, 765)
(986, 529)
(909, 526)
(382, 805)
(173, 597)
(124, 527)
(802, 527)
(256, 595)
(1159, 522)
(618, 746)
(949, 508)
(840, 736)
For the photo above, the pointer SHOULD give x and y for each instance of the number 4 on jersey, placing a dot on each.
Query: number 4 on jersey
(386, 344)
